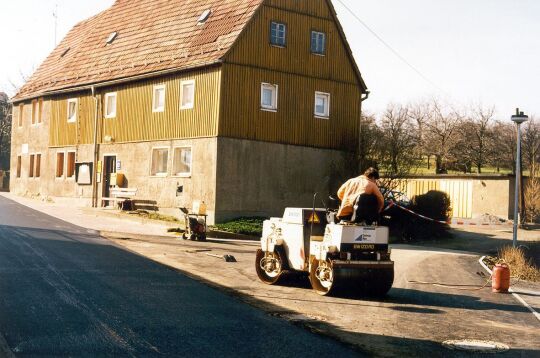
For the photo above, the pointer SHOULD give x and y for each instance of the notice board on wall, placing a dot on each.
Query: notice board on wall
(83, 173)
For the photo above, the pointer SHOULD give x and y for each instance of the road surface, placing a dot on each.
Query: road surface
(64, 291)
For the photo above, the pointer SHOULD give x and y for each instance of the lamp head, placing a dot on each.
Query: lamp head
(519, 117)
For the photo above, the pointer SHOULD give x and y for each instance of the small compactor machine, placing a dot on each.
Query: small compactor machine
(338, 256)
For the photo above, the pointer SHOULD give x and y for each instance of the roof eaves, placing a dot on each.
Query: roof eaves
(89, 85)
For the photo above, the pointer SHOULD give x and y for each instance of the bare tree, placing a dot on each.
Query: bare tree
(531, 146)
(5, 131)
(370, 135)
(504, 151)
(442, 133)
(475, 145)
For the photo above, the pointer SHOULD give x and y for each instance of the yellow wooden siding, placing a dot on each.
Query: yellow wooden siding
(459, 191)
(135, 119)
(63, 133)
(254, 49)
(294, 122)
(313, 7)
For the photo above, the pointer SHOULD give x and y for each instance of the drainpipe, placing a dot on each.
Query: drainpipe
(96, 149)
(362, 99)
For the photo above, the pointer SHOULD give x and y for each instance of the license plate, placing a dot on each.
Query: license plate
(364, 247)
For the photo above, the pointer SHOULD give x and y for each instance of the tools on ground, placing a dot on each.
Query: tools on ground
(227, 258)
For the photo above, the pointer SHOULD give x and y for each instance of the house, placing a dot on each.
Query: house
(247, 105)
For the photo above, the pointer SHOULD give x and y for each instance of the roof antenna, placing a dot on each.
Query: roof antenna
(55, 15)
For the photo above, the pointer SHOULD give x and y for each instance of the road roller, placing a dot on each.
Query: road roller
(338, 257)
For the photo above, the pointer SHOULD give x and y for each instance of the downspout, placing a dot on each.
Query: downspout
(362, 99)
(96, 149)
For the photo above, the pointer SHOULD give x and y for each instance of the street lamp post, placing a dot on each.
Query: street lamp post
(518, 118)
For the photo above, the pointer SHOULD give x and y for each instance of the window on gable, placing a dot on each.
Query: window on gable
(269, 96)
(110, 105)
(159, 99)
(278, 34)
(182, 161)
(59, 164)
(21, 114)
(160, 162)
(187, 94)
(31, 166)
(318, 42)
(72, 110)
(322, 104)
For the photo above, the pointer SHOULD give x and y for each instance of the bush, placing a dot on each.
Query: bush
(408, 227)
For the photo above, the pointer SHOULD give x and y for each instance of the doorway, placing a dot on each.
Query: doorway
(109, 167)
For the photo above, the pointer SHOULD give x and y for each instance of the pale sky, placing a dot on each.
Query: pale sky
(474, 51)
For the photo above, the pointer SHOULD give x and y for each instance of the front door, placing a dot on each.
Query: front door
(109, 166)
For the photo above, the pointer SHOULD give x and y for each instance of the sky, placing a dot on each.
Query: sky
(464, 52)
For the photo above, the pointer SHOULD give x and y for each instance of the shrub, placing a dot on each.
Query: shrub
(409, 227)
(532, 200)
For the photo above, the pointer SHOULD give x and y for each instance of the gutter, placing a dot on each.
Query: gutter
(362, 99)
(89, 86)
(96, 149)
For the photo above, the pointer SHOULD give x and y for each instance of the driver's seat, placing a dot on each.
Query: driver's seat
(365, 209)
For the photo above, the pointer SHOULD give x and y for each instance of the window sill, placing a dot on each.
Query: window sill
(321, 117)
(186, 108)
(278, 46)
(269, 110)
(185, 176)
(159, 176)
(318, 54)
(72, 121)
(158, 110)
(110, 117)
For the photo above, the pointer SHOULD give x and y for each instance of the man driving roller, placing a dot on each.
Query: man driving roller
(363, 190)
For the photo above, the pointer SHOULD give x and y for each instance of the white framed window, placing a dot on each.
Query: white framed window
(278, 34)
(182, 159)
(322, 104)
(269, 97)
(110, 105)
(158, 101)
(160, 162)
(187, 94)
(72, 110)
(318, 42)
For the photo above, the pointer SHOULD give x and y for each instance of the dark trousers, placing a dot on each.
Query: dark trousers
(366, 208)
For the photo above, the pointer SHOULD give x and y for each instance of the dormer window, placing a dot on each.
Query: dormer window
(112, 37)
(205, 15)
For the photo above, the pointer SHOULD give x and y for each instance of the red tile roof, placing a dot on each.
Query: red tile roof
(152, 36)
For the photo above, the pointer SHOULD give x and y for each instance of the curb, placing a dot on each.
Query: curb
(516, 296)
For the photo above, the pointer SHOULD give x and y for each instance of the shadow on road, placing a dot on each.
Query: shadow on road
(71, 293)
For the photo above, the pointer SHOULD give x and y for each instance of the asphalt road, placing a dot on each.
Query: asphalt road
(64, 291)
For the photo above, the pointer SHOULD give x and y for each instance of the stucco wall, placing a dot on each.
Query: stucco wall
(135, 163)
(491, 196)
(262, 179)
(33, 136)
